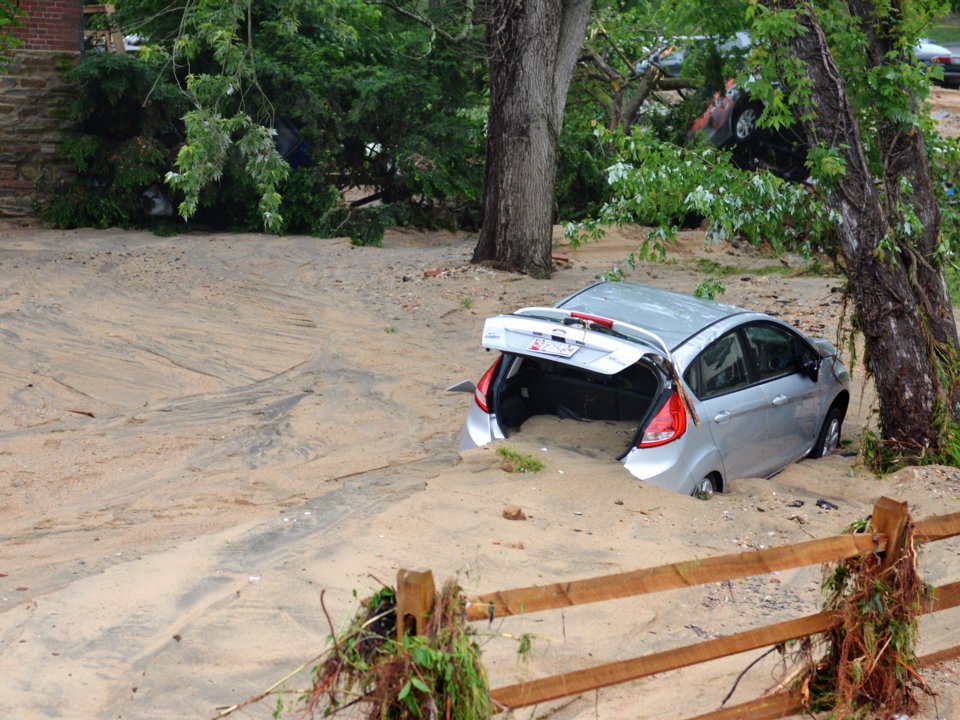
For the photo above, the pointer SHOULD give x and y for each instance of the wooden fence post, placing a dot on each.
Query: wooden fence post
(890, 518)
(415, 596)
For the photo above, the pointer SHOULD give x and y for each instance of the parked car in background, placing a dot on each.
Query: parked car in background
(930, 54)
(670, 56)
(730, 120)
(706, 392)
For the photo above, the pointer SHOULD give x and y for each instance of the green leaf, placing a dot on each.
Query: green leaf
(420, 685)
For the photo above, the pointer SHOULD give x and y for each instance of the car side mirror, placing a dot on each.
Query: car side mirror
(810, 366)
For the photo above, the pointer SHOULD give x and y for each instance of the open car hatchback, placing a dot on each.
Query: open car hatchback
(705, 393)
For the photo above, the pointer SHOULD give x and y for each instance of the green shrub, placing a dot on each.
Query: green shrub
(581, 184)
(126, 127)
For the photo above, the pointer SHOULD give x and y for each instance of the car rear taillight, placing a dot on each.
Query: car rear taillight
(483, 387)
(667, 425)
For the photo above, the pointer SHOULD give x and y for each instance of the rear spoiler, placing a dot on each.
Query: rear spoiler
(594, 322)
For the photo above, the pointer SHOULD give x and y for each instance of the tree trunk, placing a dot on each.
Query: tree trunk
(898, 289)
(906, 158)
(532, 47)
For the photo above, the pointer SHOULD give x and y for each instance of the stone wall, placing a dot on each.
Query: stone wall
(33, 95)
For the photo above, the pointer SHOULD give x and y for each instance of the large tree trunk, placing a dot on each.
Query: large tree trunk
(532, 47)
(906, 158)
(899, 292)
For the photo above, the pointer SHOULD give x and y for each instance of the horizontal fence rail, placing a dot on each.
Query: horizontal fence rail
(672, 576)
(890, 518)
(940, 527)
(574, 683)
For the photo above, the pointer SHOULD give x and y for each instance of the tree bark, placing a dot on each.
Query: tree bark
(899, 291)
(532, 47)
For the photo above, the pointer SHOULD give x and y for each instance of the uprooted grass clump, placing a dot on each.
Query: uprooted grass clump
(517, 462)
(867, 667)
(436, 675)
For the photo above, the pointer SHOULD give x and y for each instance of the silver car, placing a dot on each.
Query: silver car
(932, 55)
(707, 392)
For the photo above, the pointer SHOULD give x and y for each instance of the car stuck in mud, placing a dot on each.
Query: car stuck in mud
(705, 392)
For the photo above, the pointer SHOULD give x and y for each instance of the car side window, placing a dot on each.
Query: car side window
(775, 350)
(719, 369)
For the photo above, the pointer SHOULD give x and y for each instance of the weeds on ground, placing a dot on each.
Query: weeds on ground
(515, 462)
(952, 273)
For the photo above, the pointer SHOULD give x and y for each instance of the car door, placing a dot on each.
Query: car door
(793, 396)
(735, 406)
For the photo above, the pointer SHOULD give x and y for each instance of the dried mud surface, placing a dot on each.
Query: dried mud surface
(200, 434)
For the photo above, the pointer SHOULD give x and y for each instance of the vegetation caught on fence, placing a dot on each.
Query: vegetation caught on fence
(867, 666)
(378, 672)
(436, 674)
(411, 653)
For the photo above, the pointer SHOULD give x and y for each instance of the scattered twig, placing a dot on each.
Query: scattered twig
(736, 682)
(81, 412)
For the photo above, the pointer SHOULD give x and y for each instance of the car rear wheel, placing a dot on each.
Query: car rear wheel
(829, 438)
(745, 123)
(705, 488)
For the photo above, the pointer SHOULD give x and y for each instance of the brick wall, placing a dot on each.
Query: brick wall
(33, 92)
(52, 25)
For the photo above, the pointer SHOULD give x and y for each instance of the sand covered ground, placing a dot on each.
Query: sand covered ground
(200, 434)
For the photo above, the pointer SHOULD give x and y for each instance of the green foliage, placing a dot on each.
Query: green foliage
(11, 16)
(944, 155)
(658, 184)
(378, 100)
(437, 674)
(893, 92)
(309, 197)
(517, 462)
(125, 126)
(710, 288)
(231, 115)
(953, 284)
(612, 80)
(581, 186)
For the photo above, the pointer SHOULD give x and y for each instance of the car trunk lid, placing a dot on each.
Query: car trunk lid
(591, 343)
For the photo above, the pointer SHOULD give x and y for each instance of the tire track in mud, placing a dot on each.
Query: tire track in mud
(220, 383)
(100, 655)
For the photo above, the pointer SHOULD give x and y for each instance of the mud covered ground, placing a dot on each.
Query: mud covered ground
(200, 434)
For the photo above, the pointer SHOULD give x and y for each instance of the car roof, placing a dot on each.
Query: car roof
(673, 316)
(931, 45)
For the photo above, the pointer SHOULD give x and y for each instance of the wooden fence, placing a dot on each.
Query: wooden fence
(415, 592)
